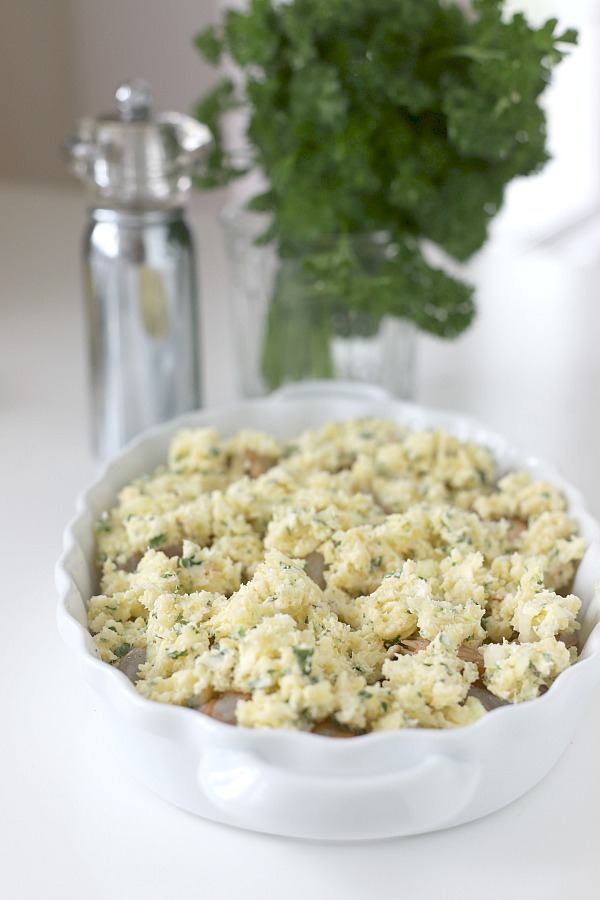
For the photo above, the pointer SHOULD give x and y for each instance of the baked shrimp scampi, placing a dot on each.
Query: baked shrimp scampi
(358, 578)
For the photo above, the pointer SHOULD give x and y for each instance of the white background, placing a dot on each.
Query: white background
(74, 823)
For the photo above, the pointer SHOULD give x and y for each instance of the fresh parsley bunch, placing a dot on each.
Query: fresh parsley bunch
(402, 117)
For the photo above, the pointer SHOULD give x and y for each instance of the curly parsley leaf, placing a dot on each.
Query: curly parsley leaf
(304, 658)
(407, 117)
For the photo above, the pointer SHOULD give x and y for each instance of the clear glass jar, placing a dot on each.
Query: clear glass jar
(287, 330)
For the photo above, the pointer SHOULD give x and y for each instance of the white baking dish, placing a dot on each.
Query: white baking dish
(308, 785)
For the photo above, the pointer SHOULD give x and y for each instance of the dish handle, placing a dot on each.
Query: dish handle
(330, 388)
(252, 793)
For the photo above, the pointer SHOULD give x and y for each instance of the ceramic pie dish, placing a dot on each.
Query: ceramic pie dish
(308, 785)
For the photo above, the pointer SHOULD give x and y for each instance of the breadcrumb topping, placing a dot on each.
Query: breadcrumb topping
(359, 577)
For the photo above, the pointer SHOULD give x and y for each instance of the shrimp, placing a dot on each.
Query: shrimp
(223, 706)
(255, 464)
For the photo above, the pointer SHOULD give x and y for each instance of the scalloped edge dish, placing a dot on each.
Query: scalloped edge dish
(306, 785)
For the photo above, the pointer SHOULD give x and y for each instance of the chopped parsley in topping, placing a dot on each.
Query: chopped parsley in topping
(395, 574)
(104, 523)
(391, 643)
(289, 451)
(345, 631)
(304, 658)
(306, 717)
(350, 729)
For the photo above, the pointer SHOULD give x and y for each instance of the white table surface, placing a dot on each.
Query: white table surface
(74, 824)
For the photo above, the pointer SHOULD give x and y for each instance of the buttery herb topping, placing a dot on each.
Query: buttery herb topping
(365, 577)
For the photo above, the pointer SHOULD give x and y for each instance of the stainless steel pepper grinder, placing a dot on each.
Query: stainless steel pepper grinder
(139, 264)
